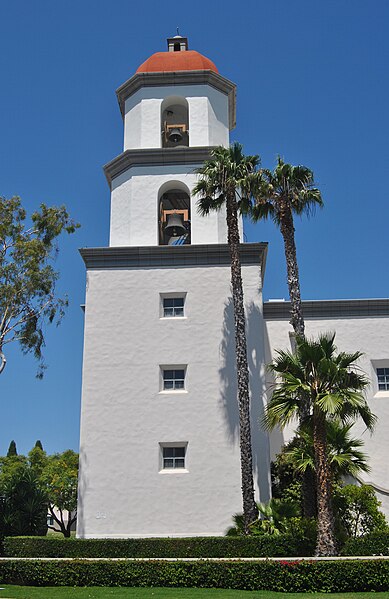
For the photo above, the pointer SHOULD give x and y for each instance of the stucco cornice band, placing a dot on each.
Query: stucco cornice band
(155, 157)
(180, 78)
(168, 256)
(329, 309)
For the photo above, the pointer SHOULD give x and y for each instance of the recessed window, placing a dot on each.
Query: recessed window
(173, 457)
(173, 379)
(383, 379)
(173, 307)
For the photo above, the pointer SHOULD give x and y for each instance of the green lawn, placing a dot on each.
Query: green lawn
(158, 593)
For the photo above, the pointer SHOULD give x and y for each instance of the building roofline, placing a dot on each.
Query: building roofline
(165, 78)
(281, 310)
(168, 256)
(155, 157)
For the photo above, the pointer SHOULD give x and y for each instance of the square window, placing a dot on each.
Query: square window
(173, 457)
(383, 379)
(173, 379)
(173, 307)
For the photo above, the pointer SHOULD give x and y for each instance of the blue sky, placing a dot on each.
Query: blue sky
(312, 81)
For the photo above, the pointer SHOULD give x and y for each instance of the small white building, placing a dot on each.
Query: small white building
(159, 448)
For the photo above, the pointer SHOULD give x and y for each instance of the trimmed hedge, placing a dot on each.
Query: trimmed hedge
(376, 543)
(284, 576)
(259, 546)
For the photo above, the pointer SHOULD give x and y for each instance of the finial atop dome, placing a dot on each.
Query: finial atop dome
(177, 43)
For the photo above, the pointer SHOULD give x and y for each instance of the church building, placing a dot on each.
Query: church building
(159, 447)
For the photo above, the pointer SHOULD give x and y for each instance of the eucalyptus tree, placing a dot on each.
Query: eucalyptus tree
(225, 182)
(335, 391)
(28, 297)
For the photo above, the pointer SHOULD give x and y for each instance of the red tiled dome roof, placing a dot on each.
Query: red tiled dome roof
(189, 60)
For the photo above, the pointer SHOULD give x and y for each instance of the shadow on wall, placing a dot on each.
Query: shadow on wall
(82, 486)
(276, 436)
(229, 390)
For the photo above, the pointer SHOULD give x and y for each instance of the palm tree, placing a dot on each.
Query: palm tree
(344, 454)
(281, 193)
(334, 388)
(273, 518)
(225, 181)
(343, 450)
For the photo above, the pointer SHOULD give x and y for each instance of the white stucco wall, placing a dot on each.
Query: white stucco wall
(369, 335)
(134, 207)
(122, 492)
(208, 116)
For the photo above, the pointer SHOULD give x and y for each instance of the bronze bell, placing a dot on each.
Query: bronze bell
(175, 136)
(175, 225)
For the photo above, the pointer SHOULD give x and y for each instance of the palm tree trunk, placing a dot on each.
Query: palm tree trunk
(326, 544)
(250, 511)
(297, 322)
(287, 230)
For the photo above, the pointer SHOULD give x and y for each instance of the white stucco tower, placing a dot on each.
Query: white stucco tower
(159, 449)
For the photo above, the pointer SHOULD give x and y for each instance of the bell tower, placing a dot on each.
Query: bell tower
(175, 108)
(158, 420)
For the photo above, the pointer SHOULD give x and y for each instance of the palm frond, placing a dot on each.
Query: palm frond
(331, 382)
(228, 171)
(287, 184)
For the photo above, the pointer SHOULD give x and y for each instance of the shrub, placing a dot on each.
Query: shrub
(357, 511)
(283, 576)
(377, 543)
(259, 546)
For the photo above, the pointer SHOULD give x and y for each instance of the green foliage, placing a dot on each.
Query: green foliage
(9, 467)
(281, 576)
(376, 543)
(343, 451)
(27, 278)
(39, 444)
(37, 484)
(12, 451)
(344, 456)
(286, 482)
(287, 185)
(331, 387)
(274, 519)
(357, 510)
(334, 387)
(228, 171)
(37, 459)
(59, 478)
(25, 508)
(259, 546)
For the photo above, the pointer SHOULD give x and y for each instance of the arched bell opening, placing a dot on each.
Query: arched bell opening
(175, 122)
(174, 218)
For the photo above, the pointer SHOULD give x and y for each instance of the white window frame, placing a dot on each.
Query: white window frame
(174, 368)
(163, 368)
(383, 384)
(172, 296)
(173, 469)
(375, 366)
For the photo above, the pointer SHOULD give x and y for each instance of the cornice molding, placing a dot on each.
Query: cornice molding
(165, 78)
(155, 157)
(329, 309)
(169, 256)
